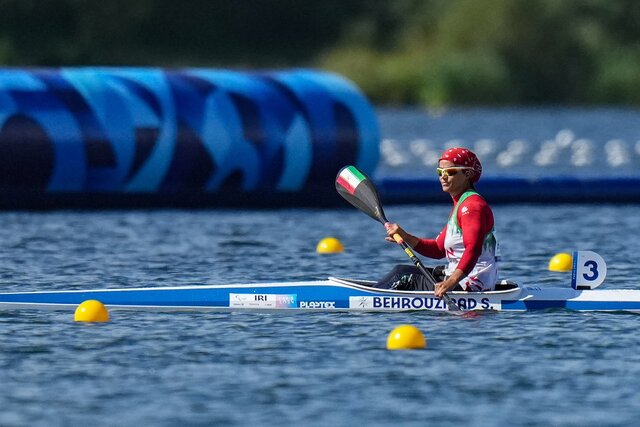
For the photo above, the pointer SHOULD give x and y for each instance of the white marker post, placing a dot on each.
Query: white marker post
(589, 270)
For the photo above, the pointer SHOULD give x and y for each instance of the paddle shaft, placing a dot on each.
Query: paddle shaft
(407, 249)
(414, 259)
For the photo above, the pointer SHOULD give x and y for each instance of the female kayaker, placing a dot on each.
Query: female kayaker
(467, 240)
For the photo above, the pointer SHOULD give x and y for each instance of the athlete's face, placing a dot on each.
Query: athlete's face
(453, 180)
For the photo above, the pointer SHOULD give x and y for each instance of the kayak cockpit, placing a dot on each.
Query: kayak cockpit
(502, 287)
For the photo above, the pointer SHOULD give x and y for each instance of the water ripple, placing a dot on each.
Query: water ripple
(543, 368)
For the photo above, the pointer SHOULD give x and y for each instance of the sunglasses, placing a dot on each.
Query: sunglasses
(450, 171)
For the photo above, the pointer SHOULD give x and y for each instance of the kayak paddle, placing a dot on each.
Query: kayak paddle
(356, 188)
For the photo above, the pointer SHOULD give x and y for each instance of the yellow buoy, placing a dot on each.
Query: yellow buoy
(406, 337)
(329, 245)
(561, 262)
(91, 311)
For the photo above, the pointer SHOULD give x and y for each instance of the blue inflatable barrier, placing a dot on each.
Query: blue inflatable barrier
(116, 137)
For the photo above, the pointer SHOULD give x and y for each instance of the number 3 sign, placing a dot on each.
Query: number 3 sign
(589, 270)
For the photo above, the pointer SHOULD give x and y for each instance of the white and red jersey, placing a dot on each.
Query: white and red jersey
(468, 242)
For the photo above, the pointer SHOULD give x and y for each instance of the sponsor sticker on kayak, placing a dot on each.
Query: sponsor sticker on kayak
(318, 304)
(263, 300)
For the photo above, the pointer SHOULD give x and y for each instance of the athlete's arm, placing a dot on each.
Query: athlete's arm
(432, 248)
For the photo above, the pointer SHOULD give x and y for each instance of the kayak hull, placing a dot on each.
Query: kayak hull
(325, 295)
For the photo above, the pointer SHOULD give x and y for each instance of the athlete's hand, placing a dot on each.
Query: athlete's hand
(393, 229)
(449, 283)
(442, 287)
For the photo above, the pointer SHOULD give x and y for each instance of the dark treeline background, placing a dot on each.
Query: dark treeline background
(430, 52)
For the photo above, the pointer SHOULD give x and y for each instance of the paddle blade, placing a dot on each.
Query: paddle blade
(356, 188)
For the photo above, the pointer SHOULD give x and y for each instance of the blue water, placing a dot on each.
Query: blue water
(545, 368)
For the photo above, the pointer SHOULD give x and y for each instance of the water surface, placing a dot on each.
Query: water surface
(542, 368)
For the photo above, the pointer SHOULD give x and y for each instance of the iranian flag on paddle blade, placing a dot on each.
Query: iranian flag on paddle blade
(349, 178)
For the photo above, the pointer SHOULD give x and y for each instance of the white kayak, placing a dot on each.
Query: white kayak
(327, 295)
(336, 294)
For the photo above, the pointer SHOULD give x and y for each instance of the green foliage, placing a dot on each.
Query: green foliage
(618, 80)
(475, 77)
(384, 77)
(431, 52)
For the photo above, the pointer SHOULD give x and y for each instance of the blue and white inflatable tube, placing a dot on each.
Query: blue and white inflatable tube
(113, 137)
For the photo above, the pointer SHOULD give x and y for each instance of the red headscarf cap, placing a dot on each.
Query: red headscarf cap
(464, 157)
